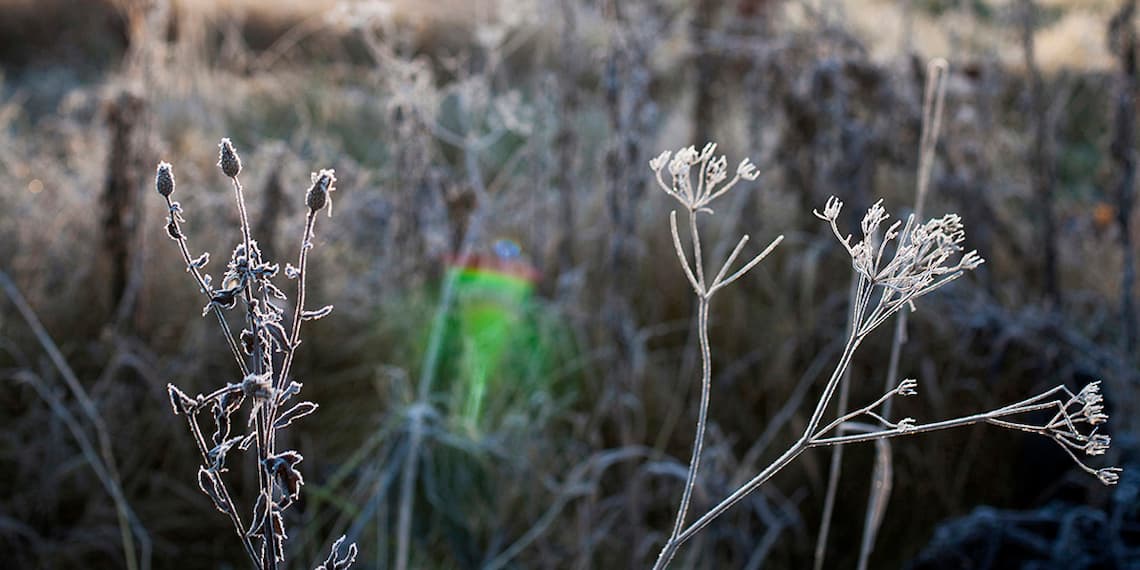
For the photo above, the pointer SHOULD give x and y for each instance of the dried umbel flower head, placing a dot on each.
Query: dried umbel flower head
(318, 194)
(922, 261)
(228, 159)
(164, 179)
(712, 171)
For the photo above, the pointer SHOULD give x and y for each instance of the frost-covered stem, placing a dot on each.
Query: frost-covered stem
(788, 456)
(853, 342)
(261, 423)
(224, 491)
(295, 331)
(706, 372)
(702, 415)
(675, 541)
(189, 260)
(816, 439)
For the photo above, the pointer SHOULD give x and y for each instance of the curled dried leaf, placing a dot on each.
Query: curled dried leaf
(224, 407)
(283, 466)
(200, 261)
(208, 483)
(317, 314)
(247, 441)
(180, 402)
(273, 290)
(295, 413)
(277, 334)
(247, 341)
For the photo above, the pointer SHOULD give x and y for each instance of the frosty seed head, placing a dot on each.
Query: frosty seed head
(164, 180)
(228, 159)
(318, 195)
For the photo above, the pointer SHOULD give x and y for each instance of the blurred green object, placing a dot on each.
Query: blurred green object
(496, 345)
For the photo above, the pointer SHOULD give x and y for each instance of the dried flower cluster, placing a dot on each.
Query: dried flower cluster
(893, 267)
(263, 351)
(711, 172)
(922, 260)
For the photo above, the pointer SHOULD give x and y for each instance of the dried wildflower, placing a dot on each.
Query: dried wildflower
(265, 378)
(922, 259)
(318, 194)
(712, 172)
(228, 159)
(164, 180)
(180, 402)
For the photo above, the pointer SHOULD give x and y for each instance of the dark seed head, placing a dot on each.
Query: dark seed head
(318, 195)
(228, 159)
(164, 180)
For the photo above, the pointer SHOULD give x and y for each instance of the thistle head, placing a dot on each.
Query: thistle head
(164, 179)
(228, 159)
(318, 195)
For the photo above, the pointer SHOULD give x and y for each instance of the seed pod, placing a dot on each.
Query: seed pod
(164, 180)
(318, 195)
(228, 159)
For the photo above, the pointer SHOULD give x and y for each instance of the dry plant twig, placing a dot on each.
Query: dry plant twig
(264, 353)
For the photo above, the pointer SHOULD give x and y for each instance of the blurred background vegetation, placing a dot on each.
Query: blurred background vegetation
(558, 420)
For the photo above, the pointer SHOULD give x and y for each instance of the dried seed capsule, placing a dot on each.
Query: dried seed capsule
(318, 195)
(164, 179)
(228, 159)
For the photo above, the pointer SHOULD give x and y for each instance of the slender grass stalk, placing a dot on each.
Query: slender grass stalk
(934, 96)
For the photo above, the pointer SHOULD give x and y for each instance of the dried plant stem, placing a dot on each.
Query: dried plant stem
(295, 335)
(224, 491)
(1122, 36)
(934, 97)
(261, 422)
(1042, 159)
(188, 259)
(264, 386)
(819, 438)
(711, 173)
(706, 383)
